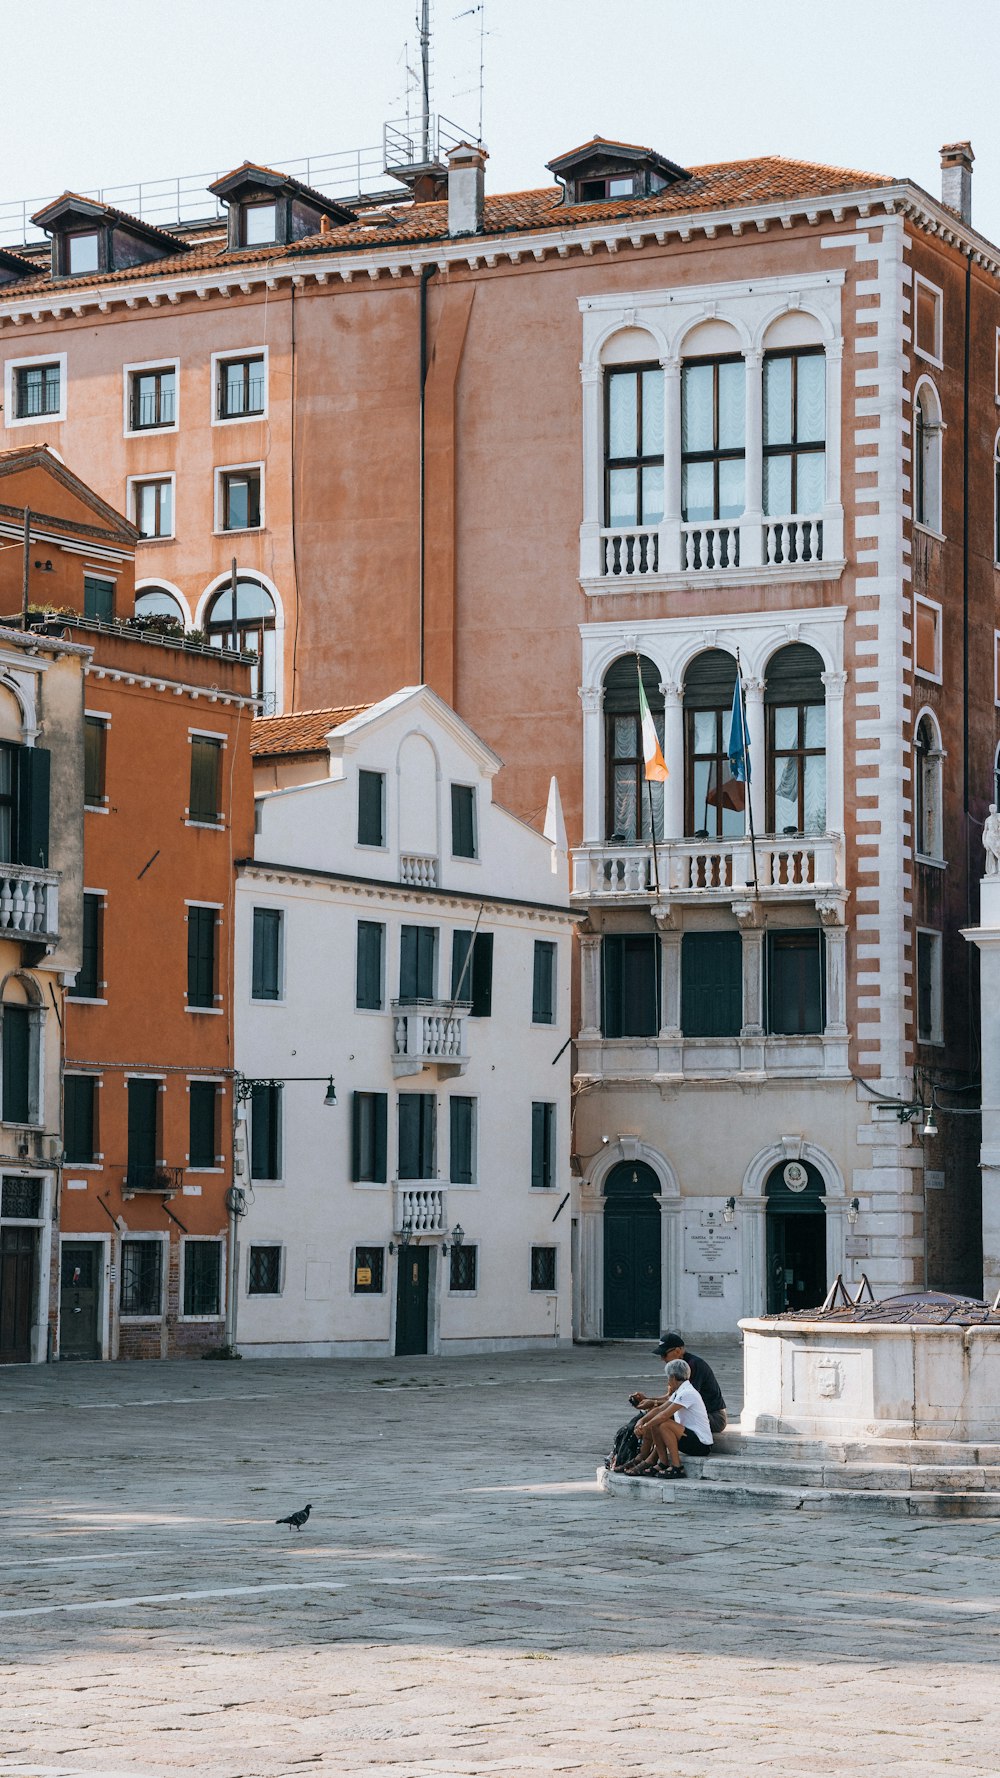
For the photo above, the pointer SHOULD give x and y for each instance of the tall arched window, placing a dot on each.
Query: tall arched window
(927, 456)
(795, 702)
(714, 801)
(633, 806)
(155, 601)
(633, 458)
(250, 628)
(927, 774)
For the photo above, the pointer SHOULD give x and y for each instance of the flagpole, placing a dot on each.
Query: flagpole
(746, 757)
(649, 787)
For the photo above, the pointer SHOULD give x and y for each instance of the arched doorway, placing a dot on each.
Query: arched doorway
(631, 1252)
(796, 1237)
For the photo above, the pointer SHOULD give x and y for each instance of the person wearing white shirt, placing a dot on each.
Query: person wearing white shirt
(679, 1427)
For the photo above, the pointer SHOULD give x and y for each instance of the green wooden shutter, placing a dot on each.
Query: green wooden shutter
(33, 807)
(543, 983)
(380, 1137)
(541, 1144)
(357, 1115)
(461, 965)
(461, 1112)
(371, 940)
(463, 821)
(16, 1064)
(265, 1131)
(428, 1108)
(88, 979)
(482, 975)
(417, 953)
(711, 984)
(201, 1138)
(795, 982)
(371, 804)
(94, 741)
(206, 757)
(408, 1129)
(78, 1117)
(611, 986)
(369, 1131)
(98, 599)
(201, 956)
(266, 983)
(640, 988)
(143, 1096)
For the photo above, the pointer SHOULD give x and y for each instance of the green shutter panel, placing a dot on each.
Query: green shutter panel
(538, 1145)
(370, 799)
(461, 966)
(78, 1117)
(368, 992)
(201, 1133)
(142, 1106)
(356, 1116)
(611, 986)
(461, 1140)
(428, 1106)
(408, 962)
(463, 837)
(16, 1063)
(204, 795)
(543, 981)
(426, 960)
(201, 956)
(33, 807)
(711, 984)
(265, 1125)
(380, 1106)
(482, 975)
(408, 1129)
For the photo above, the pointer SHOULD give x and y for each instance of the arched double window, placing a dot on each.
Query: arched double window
(927, 777)
(251, 628)
(795, 704)
(634, 807)
(927, 456)
(714, 800)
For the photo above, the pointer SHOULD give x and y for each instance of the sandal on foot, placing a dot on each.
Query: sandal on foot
(677, 1474)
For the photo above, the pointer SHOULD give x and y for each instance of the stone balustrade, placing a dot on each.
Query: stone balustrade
(419, 1208)
(428, 1034)
(29, 902)
(795, 864)
(418, 869)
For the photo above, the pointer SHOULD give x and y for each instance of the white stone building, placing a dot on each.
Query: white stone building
(401, 933)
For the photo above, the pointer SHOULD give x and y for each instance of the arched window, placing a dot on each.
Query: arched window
(795, 703)
(155, 601)
(633, 458)
(794, 430)
(927, 773)
(20, 1051)
(630, 799)
(714, 801)
(251, 629)
(927, 456)
(713, 428)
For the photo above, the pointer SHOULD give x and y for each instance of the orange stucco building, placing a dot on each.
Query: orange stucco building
(164, 802)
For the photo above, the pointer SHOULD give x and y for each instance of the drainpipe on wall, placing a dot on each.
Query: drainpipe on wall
(426, 274)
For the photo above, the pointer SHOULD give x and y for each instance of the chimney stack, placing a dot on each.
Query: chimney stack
(956, 178)
(466, 185)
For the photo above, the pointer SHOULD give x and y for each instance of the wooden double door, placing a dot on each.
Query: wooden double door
(18, 1287)
(412, 1301)
(632, 1270)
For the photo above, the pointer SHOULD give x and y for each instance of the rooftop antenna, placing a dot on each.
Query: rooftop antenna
(471, 12)
(424, 28)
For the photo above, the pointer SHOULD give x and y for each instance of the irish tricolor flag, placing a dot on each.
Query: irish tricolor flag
(653, 760)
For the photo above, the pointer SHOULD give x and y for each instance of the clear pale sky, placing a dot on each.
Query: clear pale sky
(105, 92)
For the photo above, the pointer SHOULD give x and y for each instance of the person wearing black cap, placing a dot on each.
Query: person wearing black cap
(703, 1378)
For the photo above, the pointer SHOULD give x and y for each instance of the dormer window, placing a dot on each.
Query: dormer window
(88, 236)
(267, 208)
(83, 253)
(595, 191)
(260, 225)
(603, 171)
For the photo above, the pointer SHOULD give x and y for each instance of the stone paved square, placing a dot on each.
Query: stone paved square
(463, 1601)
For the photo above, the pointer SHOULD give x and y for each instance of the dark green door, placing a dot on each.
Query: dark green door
(796, 1238)
(18, 1248)
(79, 1296)
(631, 1253)
(412, 1277)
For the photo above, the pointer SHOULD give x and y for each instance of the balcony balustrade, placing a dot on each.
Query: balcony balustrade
(152, 1178)
(793, 865)
(727, 546)
(709, 548)
(632, 552)
(428, 1034)
(419, 1208)
(29, 903)
(418, 869)
(792, 541)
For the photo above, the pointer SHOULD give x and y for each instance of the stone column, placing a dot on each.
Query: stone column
(752, 1216)
(753, 691)
(986, 936)
(593, 447)
(752, 933)
(833, 512)
(834, 684)
(671, 1234)
(670, 1044)
(670, 529)
(752, 522)
(673, 753)
(592, 699)
(590, 985)
(591, 1268)
(836, 967)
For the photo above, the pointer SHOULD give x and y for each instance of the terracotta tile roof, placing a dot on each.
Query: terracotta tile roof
(304, 731)
(603, 142)
(721, 186)
(147, 229)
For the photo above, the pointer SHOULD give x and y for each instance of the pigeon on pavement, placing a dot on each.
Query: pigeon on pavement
(297, 1519)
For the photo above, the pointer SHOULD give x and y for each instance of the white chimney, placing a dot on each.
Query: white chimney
(466, 185)
(956, 178)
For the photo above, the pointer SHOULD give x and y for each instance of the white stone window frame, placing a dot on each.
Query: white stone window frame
(936, 758)
(935, 675)
(157, 584)
(936, 357)
(142, 1320)
(465, 1295)
(131, 370)
(218, 1081)
(203, 613)
(667, 317)
(672, 644)
(937, 994)
(224, 469)
(935, 428)
(463, 857)
(132, 485)
(10, 369)
(268, 1296)
(229, 357)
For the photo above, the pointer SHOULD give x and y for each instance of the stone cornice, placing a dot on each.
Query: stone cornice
(384, 890)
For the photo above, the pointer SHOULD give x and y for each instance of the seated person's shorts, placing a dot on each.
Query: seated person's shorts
(692, 1446)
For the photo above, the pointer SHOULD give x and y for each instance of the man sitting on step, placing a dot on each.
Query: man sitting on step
(674, 1429)
(703, 1378)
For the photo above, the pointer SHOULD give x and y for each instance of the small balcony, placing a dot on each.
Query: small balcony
(419, 870)
(693, 870)
(152, 1178)
(429, 1034)
(419, 1208)
(29, 903)
(798, 546)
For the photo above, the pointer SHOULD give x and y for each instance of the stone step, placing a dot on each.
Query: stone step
(968, 1478)
(911, 1503)
(803, 1448)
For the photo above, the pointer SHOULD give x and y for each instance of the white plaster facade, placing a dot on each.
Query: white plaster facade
(310, 867)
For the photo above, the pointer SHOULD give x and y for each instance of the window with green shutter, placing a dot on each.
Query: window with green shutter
(369, 1129)
(796, 998)
(630, 984)
(472, 976)
(543, 1125)
(98, 599)
(417, 962)
(16, 1062)
(89, 979)
(463, 821)
(143, 1125)
(79, 1104)
(33, 807)
(201, 957)
(95, 740)
(543, 987)
(462, 1145)
(371, 808)
(265, 1131)
(417, 1116)
(370, 965)
(266, 966)
(203, 1100)
(711, 984)
(206, 772)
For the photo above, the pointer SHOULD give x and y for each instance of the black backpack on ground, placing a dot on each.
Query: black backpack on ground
(624, 1445)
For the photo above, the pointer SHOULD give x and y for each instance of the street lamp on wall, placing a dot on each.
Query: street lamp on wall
(245, 1085)
(456, 1239)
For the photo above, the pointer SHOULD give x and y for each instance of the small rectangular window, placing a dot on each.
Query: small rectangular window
(463, 1271)
(98, 599)
(927, 622)
(266, 966)
(369, 1271)
(796, 989)
(928, 307)
(265, 1131)
(240, 499)
(95, 744)
(929, 1019)
(89, 980)
(83, 255)
(153, 507)
(201, 924)
(543, 988)
(417, 1120)
(152, 399)
(264, 1272)
(202, 1277)
(16, 1062)
(463, 821)
(630, 985)
(370, 973)
(143, 1131)
(206, 773)
(142, 1278)
(202, 1137)
(369, 1128)
(417, 962)
(79, 1119)
(472, 972)
(260, 224)
(371, 808)
(462, 1120)
(37, 390)
(543, 1268)
(543, 1128)
(711, 984)
(241, 387)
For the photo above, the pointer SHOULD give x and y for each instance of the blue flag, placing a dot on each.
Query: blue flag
(739, 743)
